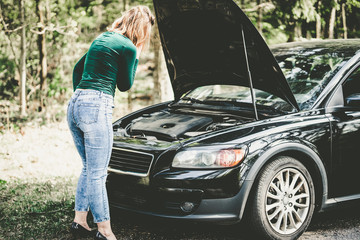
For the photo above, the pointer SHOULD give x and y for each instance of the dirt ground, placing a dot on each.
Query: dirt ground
(43, 152)
(39, 152)
(47, 152)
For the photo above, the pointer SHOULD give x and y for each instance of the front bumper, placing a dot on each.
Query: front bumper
(197, 195)
(212, 210)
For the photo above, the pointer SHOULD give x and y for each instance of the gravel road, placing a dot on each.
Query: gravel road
(337, 224)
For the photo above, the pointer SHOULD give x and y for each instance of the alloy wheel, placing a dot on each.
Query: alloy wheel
(287, 201)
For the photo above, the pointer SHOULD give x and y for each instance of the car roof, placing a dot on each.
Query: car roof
(347, 47)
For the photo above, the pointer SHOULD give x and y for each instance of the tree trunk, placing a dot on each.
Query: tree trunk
(298, 30)
(308, 34)
(291, 32)
(344, 20)
(129, 101)
(318, 20)
(260, 17)
(332, 22)
(166, 88)
(41, 42)
(22, 60)
(318, 26)
(124, 5)
(157, 67)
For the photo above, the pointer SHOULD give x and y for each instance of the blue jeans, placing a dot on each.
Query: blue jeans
(89, 117)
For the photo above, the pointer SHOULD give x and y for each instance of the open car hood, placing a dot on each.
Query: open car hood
(203, 45)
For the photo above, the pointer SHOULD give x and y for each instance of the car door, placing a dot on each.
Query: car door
(345, 121)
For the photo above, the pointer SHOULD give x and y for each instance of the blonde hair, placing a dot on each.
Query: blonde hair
(135, 24)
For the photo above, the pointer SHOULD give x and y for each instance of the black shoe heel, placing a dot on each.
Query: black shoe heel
(98, 236)
(79, 231)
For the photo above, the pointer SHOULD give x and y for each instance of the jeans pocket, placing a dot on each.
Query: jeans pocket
(88, 112)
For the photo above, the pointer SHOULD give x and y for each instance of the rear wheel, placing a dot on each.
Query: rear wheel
(284, 200)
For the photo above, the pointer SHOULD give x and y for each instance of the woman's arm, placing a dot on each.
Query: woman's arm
(78, 71)
(127, 69)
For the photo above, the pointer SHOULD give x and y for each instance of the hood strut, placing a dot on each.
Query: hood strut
(253, 96)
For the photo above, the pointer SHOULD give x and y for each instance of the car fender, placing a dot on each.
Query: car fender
(266, 158)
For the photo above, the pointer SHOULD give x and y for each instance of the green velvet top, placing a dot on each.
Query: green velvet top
(110, 61)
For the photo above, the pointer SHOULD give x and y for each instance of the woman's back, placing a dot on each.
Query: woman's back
(111, 60)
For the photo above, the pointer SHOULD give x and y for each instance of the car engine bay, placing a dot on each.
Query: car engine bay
(167, 125)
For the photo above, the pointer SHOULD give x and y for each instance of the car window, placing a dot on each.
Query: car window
(308, 73)
(352, 85)
(309, 67)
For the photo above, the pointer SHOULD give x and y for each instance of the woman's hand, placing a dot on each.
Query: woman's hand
(138, 50)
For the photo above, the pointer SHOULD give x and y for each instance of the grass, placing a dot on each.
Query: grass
(36, 210)
(30, 209)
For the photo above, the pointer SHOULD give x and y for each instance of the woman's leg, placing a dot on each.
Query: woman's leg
(105, 227)
(96, 123)
(81, 201)
(81, 218)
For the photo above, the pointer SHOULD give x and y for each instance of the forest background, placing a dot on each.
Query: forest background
(41, 40)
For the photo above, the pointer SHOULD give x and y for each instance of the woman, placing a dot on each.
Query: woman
(110, 61)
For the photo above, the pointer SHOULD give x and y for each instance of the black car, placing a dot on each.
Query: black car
(248, 134)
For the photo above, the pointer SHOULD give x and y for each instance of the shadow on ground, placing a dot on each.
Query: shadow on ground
(130, 226)
(335, 224)
(342, 223)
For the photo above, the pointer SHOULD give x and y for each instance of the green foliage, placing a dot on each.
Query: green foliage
(72, 25)
(57, 88)
(274, 35)
(37, 210)
(305, 9)
(353, 3)
(8, 84)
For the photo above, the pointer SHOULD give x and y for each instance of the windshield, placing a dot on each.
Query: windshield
(232, 95)
(307, 69)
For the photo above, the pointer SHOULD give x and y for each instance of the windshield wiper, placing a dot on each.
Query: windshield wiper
(270, 109)
(209, 102)
(246, 105)
(229, 103)
(192, 100)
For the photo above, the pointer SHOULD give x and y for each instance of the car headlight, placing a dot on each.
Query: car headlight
(205, 158)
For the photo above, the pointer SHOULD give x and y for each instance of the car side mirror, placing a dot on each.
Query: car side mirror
(353, 100)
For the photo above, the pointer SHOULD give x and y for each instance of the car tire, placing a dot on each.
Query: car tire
(283, 200)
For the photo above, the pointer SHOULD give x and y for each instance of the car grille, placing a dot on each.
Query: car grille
(130, 162)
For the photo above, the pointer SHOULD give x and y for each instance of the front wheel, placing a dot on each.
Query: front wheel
(283, 200)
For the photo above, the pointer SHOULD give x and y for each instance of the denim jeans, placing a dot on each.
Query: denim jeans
(89, 117)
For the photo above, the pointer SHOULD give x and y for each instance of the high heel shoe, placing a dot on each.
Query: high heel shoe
(79, 231)
(98, 235)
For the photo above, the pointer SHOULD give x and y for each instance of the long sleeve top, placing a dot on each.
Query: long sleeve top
(110, 62)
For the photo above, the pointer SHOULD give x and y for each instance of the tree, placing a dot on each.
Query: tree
(22, 60)
(38, 44)
(284, 13)
(343, 14)
(260, 17)
(41, 42)
(318, 19)
(157, 65)
(346, 7)
(332, 19)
